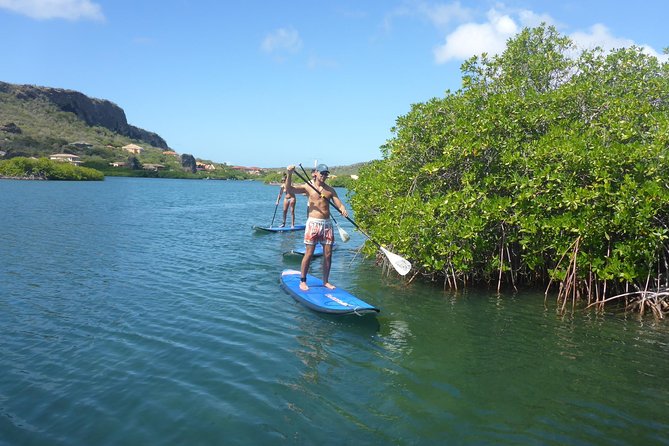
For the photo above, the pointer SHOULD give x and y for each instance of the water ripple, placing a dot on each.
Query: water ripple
(152, 315)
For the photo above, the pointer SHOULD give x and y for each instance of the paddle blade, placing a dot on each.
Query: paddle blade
(343, 234)
(401, 265)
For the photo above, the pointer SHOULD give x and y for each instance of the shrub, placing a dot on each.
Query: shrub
(542, 168)
(46, 169)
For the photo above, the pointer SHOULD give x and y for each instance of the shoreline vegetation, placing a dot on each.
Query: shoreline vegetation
(546, 169)
(22, 168)
(45, 169)
(30, 178)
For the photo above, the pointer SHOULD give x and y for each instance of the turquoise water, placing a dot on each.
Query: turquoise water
(147, 311)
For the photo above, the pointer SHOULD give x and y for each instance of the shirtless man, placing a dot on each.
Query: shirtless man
(288, 202)
(319, 226)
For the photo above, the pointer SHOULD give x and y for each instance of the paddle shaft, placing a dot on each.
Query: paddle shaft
(275, 208)
(335, 206)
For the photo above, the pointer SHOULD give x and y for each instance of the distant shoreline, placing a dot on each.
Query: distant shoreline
(31, 177)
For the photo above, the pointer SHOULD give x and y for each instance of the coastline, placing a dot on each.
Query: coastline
(30, 177)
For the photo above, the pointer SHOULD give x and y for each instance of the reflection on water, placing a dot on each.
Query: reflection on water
(138, 311)
(396, 337)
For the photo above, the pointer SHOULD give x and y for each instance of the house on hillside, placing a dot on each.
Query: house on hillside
(205, 166)
(133, 148)
(81, 145)
(170, 153)
(66, 158)
(153, 167)
(249, 170)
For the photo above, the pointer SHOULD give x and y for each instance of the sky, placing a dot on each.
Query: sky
(272, 83)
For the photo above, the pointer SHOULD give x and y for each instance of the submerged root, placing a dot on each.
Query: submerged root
(641, 301)
(569, 286)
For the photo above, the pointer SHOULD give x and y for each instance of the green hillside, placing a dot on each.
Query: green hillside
(36, 122)
(38, 128)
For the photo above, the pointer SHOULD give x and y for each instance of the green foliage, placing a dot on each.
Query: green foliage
(341, 181)
(537, 150)
(273, 176)
(46, 169)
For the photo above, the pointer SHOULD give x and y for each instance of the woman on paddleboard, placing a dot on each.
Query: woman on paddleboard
(288, 202)
(319, 227)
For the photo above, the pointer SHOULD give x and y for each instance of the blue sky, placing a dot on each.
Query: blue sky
(272, 83)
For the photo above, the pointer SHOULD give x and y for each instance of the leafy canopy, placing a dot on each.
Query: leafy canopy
(544, 155)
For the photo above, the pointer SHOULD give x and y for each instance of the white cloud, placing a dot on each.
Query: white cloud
(281, 41)
(470, 39)
(531, 19)
(476, 38)
(55, 9)
(442, 15)
(599, 36)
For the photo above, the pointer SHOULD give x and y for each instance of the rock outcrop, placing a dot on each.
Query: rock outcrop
(94, 112)
(10, 127)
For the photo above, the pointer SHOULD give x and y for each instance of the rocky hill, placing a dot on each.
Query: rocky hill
(43, 115)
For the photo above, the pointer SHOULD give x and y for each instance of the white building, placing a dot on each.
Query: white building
(66, 158)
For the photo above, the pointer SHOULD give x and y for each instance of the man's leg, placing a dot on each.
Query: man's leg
(327, 261)
(306, 260)
(285, 211)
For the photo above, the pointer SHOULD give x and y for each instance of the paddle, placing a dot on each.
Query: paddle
(343, 234)
(275, 208)
(401, 265)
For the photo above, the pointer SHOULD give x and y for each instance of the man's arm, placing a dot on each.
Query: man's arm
(280, 193)
(338, 203)
(289, 183)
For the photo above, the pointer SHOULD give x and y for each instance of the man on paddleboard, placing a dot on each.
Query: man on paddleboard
(319, 227)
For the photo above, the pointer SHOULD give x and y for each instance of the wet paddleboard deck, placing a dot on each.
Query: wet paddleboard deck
(322, 299)
(278, 229)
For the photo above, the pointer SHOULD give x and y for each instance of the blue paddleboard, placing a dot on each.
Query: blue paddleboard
(322, 299)
(301, 250)
(278, 229)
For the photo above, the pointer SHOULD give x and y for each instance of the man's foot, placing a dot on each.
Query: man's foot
(329, 286)
(282, 225)
(303, 286)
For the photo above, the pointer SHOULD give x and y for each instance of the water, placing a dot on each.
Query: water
(147, 311)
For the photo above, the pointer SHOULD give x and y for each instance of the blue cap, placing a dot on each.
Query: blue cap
(322, 168)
